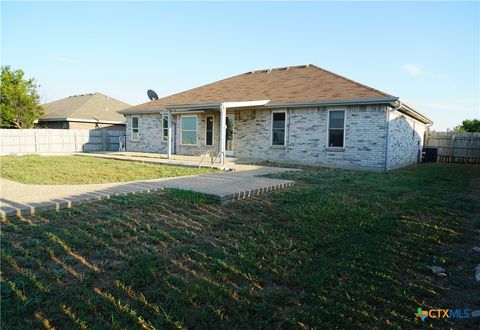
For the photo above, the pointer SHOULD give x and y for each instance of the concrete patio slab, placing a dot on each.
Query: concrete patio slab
(18, 199)
(231, 163)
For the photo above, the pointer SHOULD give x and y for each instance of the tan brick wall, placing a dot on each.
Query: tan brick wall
(78, 125)
(84, 125)
(53, 124)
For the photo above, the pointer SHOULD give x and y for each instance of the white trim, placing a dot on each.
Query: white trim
(415, 114)
(285, 129)
(344, 126)
(223, 132)
(196, 130)
(131, 128)
(169, 143)
(245, 104)
(141, 111)
(186, 112)
(333, 103)
(199, 106)
(213, 130)
(163, 117)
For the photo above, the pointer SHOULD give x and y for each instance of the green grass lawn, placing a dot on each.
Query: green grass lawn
(34, 169)
(342, 249)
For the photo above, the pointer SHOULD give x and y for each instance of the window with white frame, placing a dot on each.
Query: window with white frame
(209, 131)
(336, 128)
(165, 127)
(189, 130)
(135, 131)
(278, 128)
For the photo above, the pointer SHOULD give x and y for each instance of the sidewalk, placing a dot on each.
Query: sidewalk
(22, 199)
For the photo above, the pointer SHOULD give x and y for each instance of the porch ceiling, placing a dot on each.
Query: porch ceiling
(207, 106)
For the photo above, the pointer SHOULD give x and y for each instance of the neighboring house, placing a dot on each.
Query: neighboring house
(85, 111)
(301, 114)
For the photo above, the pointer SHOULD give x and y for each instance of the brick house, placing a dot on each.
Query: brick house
(302, 114)
(85, 111)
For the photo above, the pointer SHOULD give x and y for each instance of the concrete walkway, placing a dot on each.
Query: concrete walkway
(18, 199)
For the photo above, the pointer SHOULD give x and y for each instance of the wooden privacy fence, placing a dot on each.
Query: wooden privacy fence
(13, 141)
(455, 147)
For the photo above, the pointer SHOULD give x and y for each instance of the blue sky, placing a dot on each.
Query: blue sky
(425, 52)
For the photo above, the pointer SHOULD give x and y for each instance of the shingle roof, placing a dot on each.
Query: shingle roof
(93, 106)
(304, 83)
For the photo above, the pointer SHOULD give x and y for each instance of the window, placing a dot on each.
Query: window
(135, 133)
(278, 128)
(189, 130)
(209, 131)
(165, 128)
(336, 128)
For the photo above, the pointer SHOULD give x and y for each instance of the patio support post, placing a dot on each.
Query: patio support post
(223, 131)
(169, 151)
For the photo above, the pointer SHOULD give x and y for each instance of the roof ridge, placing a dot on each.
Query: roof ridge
(301, 66)
(66, 98)
(351, 80)
(307, 72)
(217, 81)
(88, 99)
(99, 95)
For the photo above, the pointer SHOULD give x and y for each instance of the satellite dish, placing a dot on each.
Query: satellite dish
(152, 95)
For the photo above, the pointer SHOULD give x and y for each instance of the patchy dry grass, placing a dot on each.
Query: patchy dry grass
(34, 169)
(343, 249)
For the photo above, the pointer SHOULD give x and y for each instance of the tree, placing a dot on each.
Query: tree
(19, 100)
(468, 125)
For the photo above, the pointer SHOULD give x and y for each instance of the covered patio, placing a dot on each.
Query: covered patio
(219, 145)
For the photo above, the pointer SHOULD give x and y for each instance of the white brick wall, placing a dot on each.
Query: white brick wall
(150, 130)
(405, 140)
(200, 148)
(306, 137)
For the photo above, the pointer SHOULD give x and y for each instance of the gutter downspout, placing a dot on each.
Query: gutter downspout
(388, 131)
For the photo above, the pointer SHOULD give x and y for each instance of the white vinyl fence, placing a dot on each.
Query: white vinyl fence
(14, 141)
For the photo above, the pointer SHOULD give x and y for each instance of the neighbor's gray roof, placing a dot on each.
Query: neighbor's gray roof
(93, 106)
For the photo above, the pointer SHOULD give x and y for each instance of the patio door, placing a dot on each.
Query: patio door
(230, 135)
